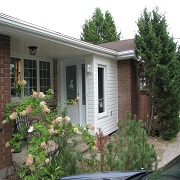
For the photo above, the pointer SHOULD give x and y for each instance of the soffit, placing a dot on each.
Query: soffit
(20, 41)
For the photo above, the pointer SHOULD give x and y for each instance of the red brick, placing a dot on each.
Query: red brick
(6, 134)
(128, 88)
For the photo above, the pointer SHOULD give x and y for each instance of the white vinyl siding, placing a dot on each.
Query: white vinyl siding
(90, 107)
(107, 120)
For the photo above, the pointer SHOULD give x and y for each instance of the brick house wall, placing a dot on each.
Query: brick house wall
(130, 98)
(135, 86)
(128, 88)
(5, 97)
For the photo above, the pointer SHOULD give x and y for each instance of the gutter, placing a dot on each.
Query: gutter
(130, 54)
(34, 30)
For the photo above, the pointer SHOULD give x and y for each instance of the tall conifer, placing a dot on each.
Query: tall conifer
(160, 67)
(100, 28)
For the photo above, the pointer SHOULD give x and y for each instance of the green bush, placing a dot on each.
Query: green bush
(51, 148)
(127, 149)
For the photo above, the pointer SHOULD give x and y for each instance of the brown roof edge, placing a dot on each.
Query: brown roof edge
(121, 45)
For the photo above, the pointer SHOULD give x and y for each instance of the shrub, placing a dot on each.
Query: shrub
(51, 150)
(52, 146)
(127, 149)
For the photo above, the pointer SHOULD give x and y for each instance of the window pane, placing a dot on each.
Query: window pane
(34, 64)
(12, 69)
(48, 74)
(30, 76)
(15, 74)
(71, 82)
(41, 73)
(83, 85)
(101, 89)
(45, 82)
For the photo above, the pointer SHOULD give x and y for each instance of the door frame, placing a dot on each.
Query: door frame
(81, 108)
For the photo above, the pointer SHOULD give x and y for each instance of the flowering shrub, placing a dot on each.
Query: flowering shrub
(20, 87)
(51, 148)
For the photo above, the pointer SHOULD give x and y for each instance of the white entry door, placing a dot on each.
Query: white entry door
(75, 89)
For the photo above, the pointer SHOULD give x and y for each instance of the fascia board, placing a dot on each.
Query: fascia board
(34, 30)
(126, 55)
(29, 28)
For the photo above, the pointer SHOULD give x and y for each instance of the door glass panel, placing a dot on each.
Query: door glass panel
(101, 89)
(83, 85)
(71, 82)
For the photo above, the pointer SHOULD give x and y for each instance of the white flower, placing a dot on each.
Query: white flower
(4, 122)
(13, 116)
(76, 130)
(23, 113)
(41, 95)
(67, 118)
(47, 161)
(23, 82)
(31, 129)
(59, 119)
(7, 144)
(42, 103)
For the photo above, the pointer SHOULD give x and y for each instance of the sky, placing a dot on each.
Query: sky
(68, 16)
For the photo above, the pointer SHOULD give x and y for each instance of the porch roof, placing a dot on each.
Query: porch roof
(52, 44)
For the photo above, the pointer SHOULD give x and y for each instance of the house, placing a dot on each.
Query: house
(103, 79)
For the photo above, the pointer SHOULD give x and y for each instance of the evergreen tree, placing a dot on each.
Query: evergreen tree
(100, 28)
(126, 149)
(160, 67)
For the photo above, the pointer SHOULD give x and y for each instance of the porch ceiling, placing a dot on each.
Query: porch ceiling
(20, 41)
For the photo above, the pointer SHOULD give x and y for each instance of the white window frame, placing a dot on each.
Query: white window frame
(104, 113)
(37, 59)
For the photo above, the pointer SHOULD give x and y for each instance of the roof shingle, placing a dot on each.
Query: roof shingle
(122, 45)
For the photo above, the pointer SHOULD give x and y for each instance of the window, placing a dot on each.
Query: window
(15, 71)
(37, 76)
(71, 82)
(101, 89)
(36, 73)
(45, 82)
(30, 76)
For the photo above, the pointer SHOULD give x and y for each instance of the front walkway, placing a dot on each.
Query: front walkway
(171, 152)
(19, 158)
